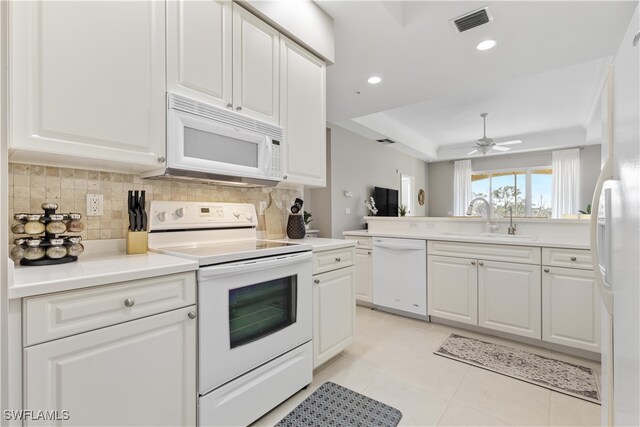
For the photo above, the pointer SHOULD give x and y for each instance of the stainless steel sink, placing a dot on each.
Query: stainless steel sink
(497, 236)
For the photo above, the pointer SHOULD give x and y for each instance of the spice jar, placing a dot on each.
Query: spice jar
(75, 226)
(75, 248)
(17, 228)
(34, 251)
(22, 217)
(49, 206)
(56, 250)
(33, 225)
(17, 253)
(56, 226)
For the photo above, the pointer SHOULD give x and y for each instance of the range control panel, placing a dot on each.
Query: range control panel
(164, 215)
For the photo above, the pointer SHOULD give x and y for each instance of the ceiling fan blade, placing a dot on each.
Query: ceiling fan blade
(515, 141)
(472, 152)
(499, 148)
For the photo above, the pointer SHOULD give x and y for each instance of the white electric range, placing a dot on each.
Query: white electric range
(254, 307)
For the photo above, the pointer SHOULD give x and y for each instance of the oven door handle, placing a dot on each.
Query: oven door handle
(247, 266)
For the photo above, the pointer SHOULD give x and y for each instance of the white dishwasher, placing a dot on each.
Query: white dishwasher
(400, 274)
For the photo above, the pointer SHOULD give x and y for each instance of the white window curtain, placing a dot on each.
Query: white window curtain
(566, 182)
(461, 186)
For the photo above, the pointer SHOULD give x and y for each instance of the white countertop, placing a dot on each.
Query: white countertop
(92, 270)
(502, 240)
(319, 244)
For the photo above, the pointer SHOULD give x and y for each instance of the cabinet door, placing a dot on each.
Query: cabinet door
(199, 46)
(334, 309)
(87, 83)
(256, 67)
(363, 282)
(137, 373)
(303, 115)
(453, 289)
(570, 308)
(509, 298)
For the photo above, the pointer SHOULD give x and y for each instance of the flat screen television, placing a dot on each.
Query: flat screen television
(386, 201)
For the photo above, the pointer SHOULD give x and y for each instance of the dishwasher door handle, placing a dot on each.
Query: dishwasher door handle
(398, 247)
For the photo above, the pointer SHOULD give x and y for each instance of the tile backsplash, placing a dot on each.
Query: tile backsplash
(31, 185)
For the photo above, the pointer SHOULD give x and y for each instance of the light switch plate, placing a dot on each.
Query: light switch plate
(347, 211)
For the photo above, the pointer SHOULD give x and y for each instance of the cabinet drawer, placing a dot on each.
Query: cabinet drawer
(63, 314)
(572, 258)
(490, 252)
(361, 241)
(331, 260)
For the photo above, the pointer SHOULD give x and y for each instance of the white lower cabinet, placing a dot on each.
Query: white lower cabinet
(509, 298)
(141, 372)
(333, 313)
(453, 289)
(363, 276)
(570, 308)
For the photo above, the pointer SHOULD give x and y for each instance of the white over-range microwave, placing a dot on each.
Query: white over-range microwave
(205, 142)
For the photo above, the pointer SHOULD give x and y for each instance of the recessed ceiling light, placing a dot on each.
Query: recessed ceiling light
(486, 45)
(374, 80)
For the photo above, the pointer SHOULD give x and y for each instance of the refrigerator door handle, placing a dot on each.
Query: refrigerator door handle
(605, 292)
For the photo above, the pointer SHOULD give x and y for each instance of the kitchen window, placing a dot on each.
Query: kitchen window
(527, 191)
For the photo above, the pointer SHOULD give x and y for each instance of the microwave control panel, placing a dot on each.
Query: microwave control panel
(276, 159)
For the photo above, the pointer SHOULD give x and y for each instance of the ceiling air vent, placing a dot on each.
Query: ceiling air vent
(386, 141)
(473, 19)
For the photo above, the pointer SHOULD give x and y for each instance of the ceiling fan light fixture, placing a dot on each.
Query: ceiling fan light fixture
(486, 44)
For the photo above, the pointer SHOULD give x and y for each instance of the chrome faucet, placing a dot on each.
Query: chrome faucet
(492, 227)
(486, 203)
(512, 227)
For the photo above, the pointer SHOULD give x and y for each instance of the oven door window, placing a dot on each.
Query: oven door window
(259, 310)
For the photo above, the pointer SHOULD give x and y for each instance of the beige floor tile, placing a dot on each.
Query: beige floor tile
(377, 353)
(347, 373)
(459, 414)
(513, 400)
(571, 411)
(578, 361)
(429, 371)
(419, 406)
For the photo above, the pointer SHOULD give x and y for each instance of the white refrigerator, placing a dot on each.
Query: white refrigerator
(615, 235)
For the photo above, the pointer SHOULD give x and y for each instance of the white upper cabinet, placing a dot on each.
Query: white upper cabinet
(303, 115)
(199, 50)
(256, 67)
(221, 54)
(87, 85)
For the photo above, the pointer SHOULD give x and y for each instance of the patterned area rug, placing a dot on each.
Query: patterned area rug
(563, 377)
(334, 405)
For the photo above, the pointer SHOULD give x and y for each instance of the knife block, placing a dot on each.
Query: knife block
(137, 242)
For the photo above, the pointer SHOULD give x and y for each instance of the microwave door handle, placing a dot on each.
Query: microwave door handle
(269, 161)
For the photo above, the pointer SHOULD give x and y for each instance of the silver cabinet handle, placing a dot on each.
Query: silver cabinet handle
(316, 281)
(162, 159)
(574, 258)
(191, 314)
(129, 302)
(337, 259)
(285, 176)
(546, 270)
(473, 263)
(230, 105)
(238, 108)
(480, 263)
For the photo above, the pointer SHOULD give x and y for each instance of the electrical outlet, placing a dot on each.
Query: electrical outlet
(263, 206)
(94, 205)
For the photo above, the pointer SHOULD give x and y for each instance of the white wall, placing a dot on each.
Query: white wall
(358, 164)
(440, 177)
(318, 200)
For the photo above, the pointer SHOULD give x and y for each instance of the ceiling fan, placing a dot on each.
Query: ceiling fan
(484, 144)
